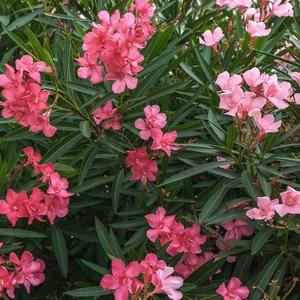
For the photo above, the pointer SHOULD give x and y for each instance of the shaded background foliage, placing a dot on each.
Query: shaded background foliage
(106, 213)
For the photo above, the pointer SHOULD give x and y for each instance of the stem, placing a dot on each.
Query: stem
(295, 280)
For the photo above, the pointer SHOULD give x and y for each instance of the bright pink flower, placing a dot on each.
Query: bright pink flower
(46, 169)
(266, 124)
(165, 142)
(121, 278)
(14, 207)
(58, 186)
(159, 223)
(6, 282)
(234, 290)
(35, 207)
(26, 63)
(227, 82)
(143, 167)
(211, 38)
(56, 207)
(105, 112)
(151, 264)
(257, 29)
(265, 210)
(154, 119)
(191, 240)
(33, 158)
(236, 229)
(29, 272)
(290, 202)
(144, 10)
(164, 283)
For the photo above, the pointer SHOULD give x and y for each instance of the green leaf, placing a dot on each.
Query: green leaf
(116, 188)
(129, 223)
(231, 135)
(21, 233)
(85, 129)
(226, 215)
(90, 184)
(19, 22)
(269, 141)
(260, 239)
(95, 267)
(138, 235)
(161, 42)
(205, 271)
(88, 292)
(265, 276)
(18, 134)
(36, 46)
(248, 182)
(107, 242)
(61, 147)
(194, 171)
(86, 164)
(60, 249)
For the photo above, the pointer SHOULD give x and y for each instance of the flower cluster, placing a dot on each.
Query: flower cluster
(108, 116)
(155, 274)
(142, 166)
(267, 207)
(114, 45)
(25, 99)
(54, 203)
(186, 240)
(263, 93)
(15, 271)
(265, 10)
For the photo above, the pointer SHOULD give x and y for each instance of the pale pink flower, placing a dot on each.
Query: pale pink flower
(257, 29)
(280, 9)
(219, 158)
(253, 78)
(266, 124)
(236, 229)
(234, 290)
(231, 100)
(295, 76)
(164, 283)
(165, 142)
(211, 38)
(265, 210)
(251, 105)
(297, 98)
(227, 82)
(290, 202)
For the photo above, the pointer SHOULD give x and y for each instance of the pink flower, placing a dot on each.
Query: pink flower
(154, 119)
(33, 158)
(159, 223)
(250, 105)
(55, 208)
(168, 284)
(219, 158)
(90, 68)
(105, 112)
(6, 282)
(227, 82)
(223, 247)
(236, 229)
(165, 141)
(266, 124)
(121, 278)
(231, 100)
(143, 167)
(189, 264)
(290, 202)
(211, 38)
(253, 78)
(295, 76)
(29, 272)
(265, 210)
(58, 186)
(26, 63)
(14, 207)
(257, 29)
(234, 290)
(46, 169)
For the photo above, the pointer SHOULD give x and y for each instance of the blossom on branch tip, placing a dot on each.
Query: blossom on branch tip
(265, 210)
(234, 290)
(211, 38)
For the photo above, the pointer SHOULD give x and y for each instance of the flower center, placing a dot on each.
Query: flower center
(290, 201)
(231, 295)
